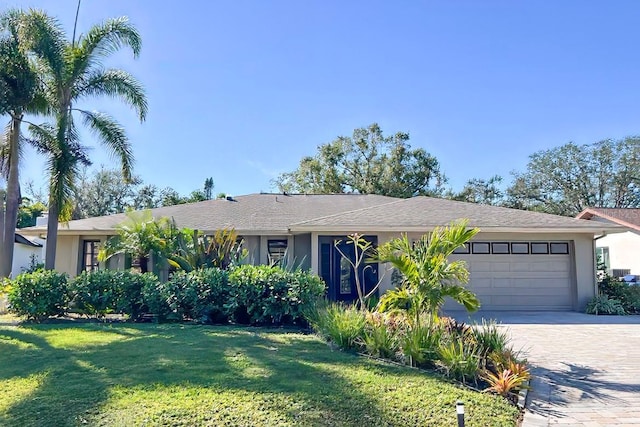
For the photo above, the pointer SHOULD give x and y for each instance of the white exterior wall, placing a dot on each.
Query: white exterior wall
(624, 250)
(22, 257)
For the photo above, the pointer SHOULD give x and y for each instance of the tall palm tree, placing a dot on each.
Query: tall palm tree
(21, 34)
(72, 76)
(427, 274)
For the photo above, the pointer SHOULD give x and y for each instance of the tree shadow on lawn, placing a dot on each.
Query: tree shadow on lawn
(79, 379)
(556, 389)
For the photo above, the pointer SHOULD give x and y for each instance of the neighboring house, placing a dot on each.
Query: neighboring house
(520, 260)
(26, 252)
(619, 252)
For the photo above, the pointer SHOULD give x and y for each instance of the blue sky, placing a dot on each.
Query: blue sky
(241, 90)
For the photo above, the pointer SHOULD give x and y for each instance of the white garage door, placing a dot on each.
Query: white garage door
(529, 276)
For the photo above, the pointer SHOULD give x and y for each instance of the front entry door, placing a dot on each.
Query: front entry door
(339, 274)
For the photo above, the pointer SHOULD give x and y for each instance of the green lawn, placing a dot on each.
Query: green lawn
(185, 375)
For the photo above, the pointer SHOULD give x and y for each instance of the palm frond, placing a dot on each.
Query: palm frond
(44, 37)
(112, 136)
(116, 83)
(108, 37)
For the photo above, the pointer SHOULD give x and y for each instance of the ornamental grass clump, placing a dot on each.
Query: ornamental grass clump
(343, 325)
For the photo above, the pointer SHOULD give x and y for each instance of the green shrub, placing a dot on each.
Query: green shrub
(198, 295)
(602, 304)
(95, 293)
(627, 295)
(343, 325)
(214, 288)
(631, 299)
(270, 295)
(130, 301)
(38, 295)
(109, 291)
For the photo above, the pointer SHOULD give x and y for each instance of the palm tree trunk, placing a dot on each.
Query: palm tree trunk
(52, 235)
(13, 197)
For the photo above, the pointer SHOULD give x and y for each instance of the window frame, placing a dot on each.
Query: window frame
(276, 258)
(95, 248)
(513, 252)
(533, 252)
(477, 251)
(495, 244)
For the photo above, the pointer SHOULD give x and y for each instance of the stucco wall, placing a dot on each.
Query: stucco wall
(302, 251)
(624, 250)
(583, 274)
(67, 255)
(22, 257)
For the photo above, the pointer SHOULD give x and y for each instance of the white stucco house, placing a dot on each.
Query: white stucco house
(26, 251)
(620, 252)
(520, 260)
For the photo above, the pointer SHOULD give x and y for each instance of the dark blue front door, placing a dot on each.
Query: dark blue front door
(338, 273)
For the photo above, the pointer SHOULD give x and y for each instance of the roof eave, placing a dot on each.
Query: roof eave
(484, 229)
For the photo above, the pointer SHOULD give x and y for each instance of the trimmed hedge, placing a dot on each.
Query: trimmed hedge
(39, 294)
(198, 295)
(270, 295)
(246, 294)
(107, 291)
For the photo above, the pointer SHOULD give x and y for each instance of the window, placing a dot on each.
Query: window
(463, 249)
(480, 247)
(559, 248)
(520, 248)
(500, 248)
(277, 249)
(539, 248)
(90, 255)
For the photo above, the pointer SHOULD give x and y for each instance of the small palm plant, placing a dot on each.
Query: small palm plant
(140, 235)
(428, 277)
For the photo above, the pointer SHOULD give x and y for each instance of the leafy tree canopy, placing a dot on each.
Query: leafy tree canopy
(367, 162)
(106, 192)
(569, 178)
(483, 191)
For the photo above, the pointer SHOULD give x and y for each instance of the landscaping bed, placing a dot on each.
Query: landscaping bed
(177, 374)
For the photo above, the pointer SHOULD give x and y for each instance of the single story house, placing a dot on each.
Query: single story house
(620, 252)
(520, 260)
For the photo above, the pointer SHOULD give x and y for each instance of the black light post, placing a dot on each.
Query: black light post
(460, 412)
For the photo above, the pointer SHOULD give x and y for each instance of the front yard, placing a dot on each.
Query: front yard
(187, 375)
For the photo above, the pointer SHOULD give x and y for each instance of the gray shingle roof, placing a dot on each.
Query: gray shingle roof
(424, 213)
(279, 214)
(253, 213)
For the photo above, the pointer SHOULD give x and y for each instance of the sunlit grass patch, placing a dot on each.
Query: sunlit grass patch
(186, 375)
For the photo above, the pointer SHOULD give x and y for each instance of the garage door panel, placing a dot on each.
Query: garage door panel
(521, 281)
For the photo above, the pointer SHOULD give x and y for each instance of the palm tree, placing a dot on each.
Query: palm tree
(72, 75)
(427, 274)
(21, 34)
(142, 236)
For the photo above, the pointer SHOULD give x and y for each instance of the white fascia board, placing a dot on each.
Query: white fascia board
(395, 229)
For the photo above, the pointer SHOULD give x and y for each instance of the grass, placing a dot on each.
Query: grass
(187, 375)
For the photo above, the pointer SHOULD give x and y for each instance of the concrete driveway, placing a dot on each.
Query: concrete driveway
(586, 368)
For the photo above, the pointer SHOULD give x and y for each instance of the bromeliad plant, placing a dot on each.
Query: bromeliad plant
(428, 277)
(195, 250)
